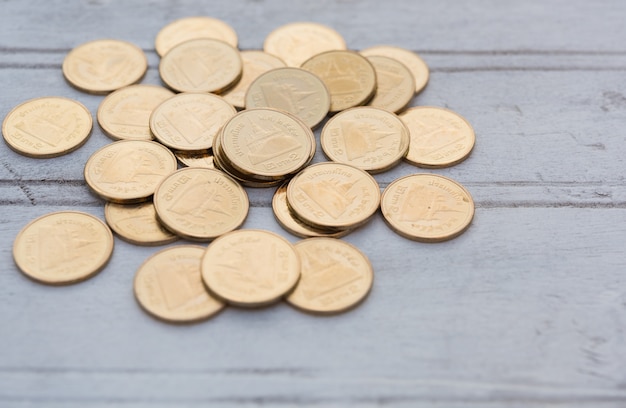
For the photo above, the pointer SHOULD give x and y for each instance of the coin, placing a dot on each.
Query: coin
(349, 77)
(335, 276)
(411, 60)
(128, 171)
(254, 64)
(168, 285)
(190, 121)
(296, 42)
(369, 138)
(47, 127)
(292, 90)
(203, 65)
(103, 66)
(63, 247)
(137, 224)
(200, 204)
(196, 159)
(333, 195)
(439, 137)
(124, 114)
(427, 207)
(395, 84)
(191, 28)
(250, 268)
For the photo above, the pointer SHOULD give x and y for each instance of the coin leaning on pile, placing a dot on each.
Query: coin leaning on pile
(304, 72)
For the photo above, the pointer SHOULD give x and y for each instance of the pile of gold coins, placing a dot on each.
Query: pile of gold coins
(233, 119)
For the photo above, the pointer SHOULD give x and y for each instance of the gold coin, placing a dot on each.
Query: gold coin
(427, 207)
(168, 285)
(103, 66)
(196, 159)
(395, 84)
(335, 276)
(267, 143)
(250, 268)
(47, 127)
(349, 77)
(124, 114)
(137, 224)
(413, 62)
(200, 204)
(203, 65)
(255, 63)
(333, 195)
(439, 137)
(128, 171)
(296, 42)
(63, 247)
(190, 121)
(192, 28)
(369, 138)
(292, 90)
(292, 224)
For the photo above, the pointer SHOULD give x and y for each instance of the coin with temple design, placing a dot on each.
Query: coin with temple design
(411, 60)
(191, 28)
(137, 224)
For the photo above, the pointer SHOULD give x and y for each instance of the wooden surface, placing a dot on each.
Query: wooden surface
(527, 308)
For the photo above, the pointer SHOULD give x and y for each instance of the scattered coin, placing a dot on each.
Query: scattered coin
(395, 84)
(137, 224)
(125, 113)
(103, 66)
(335, 276)
(195, 159)
(427, 207)
(411, 60)
(63, 247)
(128, 171)
(250, 268)
(439, 137)
(192, 28)
(168, 285)
(369, 138)
(47, 127)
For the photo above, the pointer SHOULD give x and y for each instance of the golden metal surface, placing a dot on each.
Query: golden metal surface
(255, 63)
(200, 204)
(333, 195)
(292, 90)
(250, 268)
(413, 62)
(192, 28)
(125, 113)
(439, 137)
(190, 121)
(137, 224)
(335, 276)
(103, 66)
(369, 138)
(427, 207)
(349, 77)
(296, 42)
(204, 160)
(128, 171)
(395, 84)
(63, 247)
(47, 127)
(202, 65)
(168, 285)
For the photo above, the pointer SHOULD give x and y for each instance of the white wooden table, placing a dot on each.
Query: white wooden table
(526, 309)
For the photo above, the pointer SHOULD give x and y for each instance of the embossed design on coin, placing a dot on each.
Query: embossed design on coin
(191, 159)
(427, 207)
(203, 65)
(192, 28)
(63, 247)
(395, 84)
(296, 42)
(128, 171)
(124, 114)
(335, 276)
(369, 138)
(168, 285)
(250, 268)
(103, 66)
(137, 224)
(439, 137)
(47, 127)
(411, 60)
